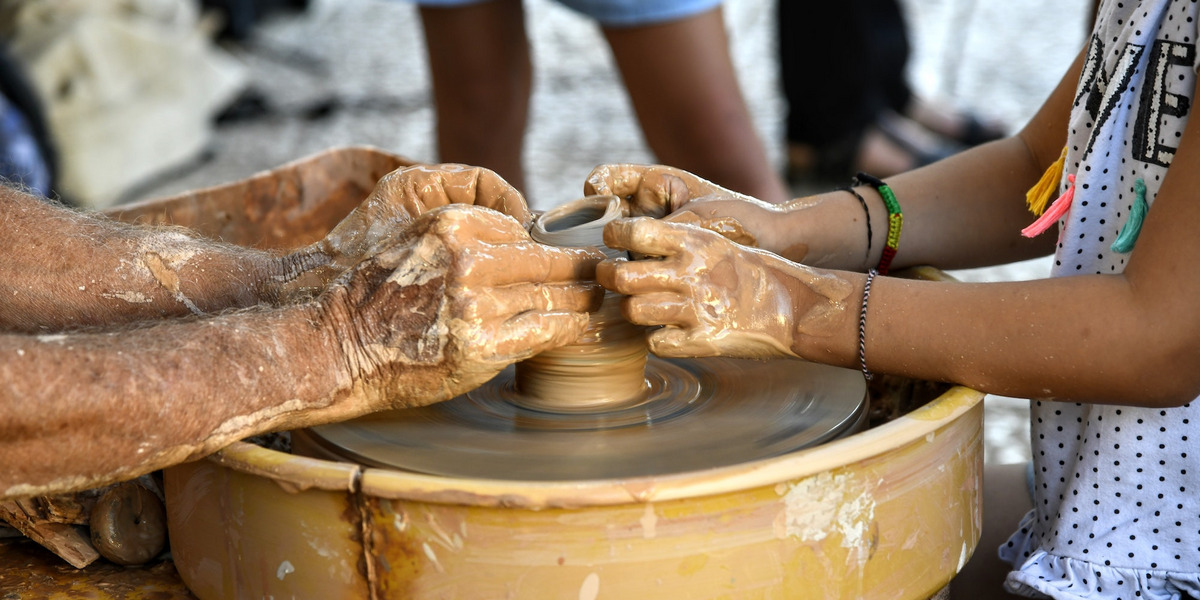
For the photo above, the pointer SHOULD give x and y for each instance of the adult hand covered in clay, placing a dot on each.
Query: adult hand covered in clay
(398, 198)
(715, 297)
(461, 292)
(465, 294)
(652, 190)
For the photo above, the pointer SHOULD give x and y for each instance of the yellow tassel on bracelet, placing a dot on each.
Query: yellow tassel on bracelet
(1046, 189)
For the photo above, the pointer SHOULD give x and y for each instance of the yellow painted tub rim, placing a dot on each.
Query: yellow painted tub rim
(296, 473)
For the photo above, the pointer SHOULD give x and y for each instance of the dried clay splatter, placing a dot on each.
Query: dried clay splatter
(824, 504)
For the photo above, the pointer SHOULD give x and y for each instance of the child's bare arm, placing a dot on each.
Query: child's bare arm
(1130, 338)
(968, 210)
(964, 211)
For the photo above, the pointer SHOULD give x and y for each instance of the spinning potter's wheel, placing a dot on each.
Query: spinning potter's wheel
(602, 409)
(699, 414)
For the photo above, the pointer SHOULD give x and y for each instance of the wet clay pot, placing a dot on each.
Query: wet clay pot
(891, 512)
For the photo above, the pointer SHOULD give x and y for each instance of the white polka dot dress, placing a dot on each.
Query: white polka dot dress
(1116, 489)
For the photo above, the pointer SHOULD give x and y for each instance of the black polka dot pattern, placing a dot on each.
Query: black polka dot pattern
(1115, 488)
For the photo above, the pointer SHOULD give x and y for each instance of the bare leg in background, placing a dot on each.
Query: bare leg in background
(482, 76)
(685, 92)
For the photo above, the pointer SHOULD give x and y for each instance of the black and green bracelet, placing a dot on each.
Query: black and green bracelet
(895, 219)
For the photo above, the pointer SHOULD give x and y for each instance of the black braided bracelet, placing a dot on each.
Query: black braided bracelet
(862, 327)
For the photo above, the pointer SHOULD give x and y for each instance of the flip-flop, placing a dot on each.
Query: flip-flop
(888, 125)
(836, 162)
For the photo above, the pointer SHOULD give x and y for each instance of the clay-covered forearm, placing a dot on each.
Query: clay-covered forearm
(83, 409)
(424, 320)
(67, 270)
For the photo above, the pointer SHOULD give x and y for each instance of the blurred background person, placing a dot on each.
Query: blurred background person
(27, 156)
(849, 105)
(673, 56)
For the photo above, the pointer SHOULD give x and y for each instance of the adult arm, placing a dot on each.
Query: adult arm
(463, 293)
(69, 269)
(64, 269)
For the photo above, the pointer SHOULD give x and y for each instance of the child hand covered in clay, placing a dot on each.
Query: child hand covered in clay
(716, 297)
(674, 194)
(652, 190)
(127, 357)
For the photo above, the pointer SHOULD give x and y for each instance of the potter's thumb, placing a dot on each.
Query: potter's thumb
(676, 342)
(532, 332)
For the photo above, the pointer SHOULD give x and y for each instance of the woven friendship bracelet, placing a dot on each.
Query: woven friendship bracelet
(895, 219)
(863, 202)
(862, 327)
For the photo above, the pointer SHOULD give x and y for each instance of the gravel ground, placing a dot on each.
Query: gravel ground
(999, 59)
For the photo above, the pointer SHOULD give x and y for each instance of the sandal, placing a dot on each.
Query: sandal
(926, 147)
(893, 144)
(964, 127)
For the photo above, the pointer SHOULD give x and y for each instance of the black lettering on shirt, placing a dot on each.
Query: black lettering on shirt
(1092, 79)
(1156, 102)
(1107, 99)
